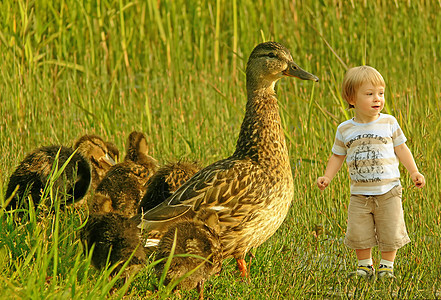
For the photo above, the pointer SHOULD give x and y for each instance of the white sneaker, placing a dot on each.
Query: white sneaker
(366, 272)
(385, 272)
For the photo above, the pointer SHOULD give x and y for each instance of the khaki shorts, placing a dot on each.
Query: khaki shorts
(376, 220)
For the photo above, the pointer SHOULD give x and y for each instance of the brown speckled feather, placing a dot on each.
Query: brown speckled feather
(165, 182)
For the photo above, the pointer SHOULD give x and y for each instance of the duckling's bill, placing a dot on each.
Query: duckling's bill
(294, 70)
(108, 159)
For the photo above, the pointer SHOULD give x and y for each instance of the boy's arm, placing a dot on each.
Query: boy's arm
(406, 158)
(334, 164)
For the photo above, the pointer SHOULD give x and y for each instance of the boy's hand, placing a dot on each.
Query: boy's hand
(323, 182)
(418, 179)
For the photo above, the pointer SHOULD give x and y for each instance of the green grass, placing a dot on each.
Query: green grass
(175, 70)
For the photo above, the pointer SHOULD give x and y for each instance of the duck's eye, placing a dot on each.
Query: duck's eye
(271, 54)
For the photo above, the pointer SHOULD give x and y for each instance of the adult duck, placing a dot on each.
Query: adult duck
(246, 196)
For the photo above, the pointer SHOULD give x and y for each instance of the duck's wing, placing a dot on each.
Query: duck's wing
(220, 187)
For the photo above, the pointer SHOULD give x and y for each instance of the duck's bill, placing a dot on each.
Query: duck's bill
(294, 70)
(108, 160)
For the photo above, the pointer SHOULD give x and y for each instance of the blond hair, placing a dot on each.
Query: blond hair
(355, 77)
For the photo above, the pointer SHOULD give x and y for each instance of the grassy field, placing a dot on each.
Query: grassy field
(175, 70)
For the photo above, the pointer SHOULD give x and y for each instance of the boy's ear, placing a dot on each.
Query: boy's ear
(351, 101)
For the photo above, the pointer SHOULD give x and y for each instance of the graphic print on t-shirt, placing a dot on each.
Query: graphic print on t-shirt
(366, 163)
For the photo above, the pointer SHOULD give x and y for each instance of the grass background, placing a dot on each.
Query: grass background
(175, 70)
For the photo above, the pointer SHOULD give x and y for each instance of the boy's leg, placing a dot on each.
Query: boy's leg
(363, 253)
(389, 255)
(391, 230)
(365, 267)
(361, 235)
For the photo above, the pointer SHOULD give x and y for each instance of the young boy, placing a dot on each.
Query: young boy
(373, 144)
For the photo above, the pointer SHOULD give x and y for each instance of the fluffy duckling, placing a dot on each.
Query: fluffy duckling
(103, 228)
(116, 198)
(93, 157)
(123, 186)
(33, 173)
(102, 155)
(115, 233)
(193, 238)
(165, 182)
(246, 196)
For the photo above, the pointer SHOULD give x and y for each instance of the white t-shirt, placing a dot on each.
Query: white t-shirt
(370, 156)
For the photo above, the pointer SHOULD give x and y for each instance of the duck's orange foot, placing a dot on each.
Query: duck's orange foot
(242, 265)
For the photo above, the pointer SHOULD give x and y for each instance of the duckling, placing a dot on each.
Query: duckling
(123, 186)
(33, 173)
(165, 182)
(92, 159)
(193, 238)
(246, 196)
(118, 234)
(102, 155)
(100, 227)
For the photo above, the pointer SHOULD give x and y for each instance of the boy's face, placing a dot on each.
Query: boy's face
(368, 102)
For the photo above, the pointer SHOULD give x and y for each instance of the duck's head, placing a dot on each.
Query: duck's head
(137, 149)
(101, 154)
(269, 62)
(136, 145)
